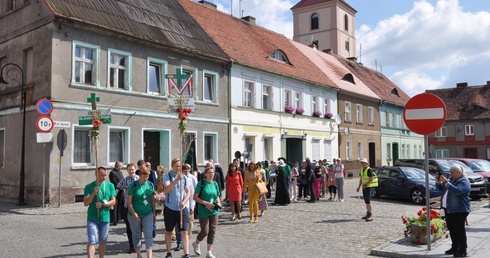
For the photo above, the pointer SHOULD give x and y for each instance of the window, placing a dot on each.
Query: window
(348, 114)
(488, 153)
(403, 151)
(347, 45)
(415, 151)
(2, 147)
(85, 63)
(326, 106)
(408, 151)
(119, 69)
(315, 149)
(156, 76)
(442, 132)
(210, 143)
(185, 80)
(268, 148)
(346, 22)
(314, 21)
(82, 146)
(327, 145)
(371, 115)
(387, 119)
(118, 145)
(469, 130)
(267, 97)
(348, 150)
(394, 92)
(388, 151)
(314, 104)
(14, 4)
(280, 56)
(360, 150)
(210, 86)
(393, 119)
(420, 151)
(288, 97)
(248, 89)
(442, 153)
(249, 146)
(359, 113)
(298, 100)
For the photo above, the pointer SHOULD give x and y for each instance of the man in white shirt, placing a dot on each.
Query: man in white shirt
(186, 170)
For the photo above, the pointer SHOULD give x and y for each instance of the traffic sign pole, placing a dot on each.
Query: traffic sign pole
(424, 114)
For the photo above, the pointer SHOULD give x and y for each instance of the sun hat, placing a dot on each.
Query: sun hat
(280, 163)
(364, 160)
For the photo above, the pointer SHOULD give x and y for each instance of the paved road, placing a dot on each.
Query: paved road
(323, 229)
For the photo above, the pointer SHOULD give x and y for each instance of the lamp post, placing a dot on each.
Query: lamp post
(12, 72)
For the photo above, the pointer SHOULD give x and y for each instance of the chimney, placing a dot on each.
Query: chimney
(209, 4)
(488, 84)
(249, 19)
(462, 85)
(328, 51)
(352, 59)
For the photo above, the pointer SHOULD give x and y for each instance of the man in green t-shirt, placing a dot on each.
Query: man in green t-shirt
(99, 196)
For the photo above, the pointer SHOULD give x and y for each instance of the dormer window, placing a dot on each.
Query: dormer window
(280, 56)
(348, 78)
(395, 92)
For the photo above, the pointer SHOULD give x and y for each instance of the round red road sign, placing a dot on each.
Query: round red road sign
(44, 124)
(424, 113)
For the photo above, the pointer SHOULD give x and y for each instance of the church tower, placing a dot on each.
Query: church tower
(329, 24)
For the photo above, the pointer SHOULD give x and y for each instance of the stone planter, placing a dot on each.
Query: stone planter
(419, 236)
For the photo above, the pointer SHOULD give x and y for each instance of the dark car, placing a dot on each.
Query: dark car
(443, 165)
(404, 183)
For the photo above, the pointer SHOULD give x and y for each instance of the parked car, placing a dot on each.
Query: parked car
(478, 183)
(479, 166)
(404, 183)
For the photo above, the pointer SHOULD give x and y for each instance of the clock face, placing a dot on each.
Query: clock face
(346, 130)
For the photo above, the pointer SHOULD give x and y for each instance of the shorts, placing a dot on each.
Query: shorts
(97, 232)
(172, 218)
(366, 193)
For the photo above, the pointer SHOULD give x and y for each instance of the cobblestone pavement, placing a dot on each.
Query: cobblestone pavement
(322, 229)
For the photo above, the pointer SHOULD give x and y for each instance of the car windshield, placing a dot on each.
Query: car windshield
(446, 165)
(415, 173)
(480, 165)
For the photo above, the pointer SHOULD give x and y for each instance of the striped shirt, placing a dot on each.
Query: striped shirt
(124, 184)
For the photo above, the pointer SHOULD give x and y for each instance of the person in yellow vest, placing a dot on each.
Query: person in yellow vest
(368, 180)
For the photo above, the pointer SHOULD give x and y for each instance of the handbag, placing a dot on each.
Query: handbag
(261, 187)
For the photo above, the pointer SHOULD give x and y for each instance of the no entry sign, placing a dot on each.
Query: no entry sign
(424, 113)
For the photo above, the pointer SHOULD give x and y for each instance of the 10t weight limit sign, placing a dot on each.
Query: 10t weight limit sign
(44, 124)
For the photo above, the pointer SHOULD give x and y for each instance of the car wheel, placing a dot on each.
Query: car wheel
(375, 193)
(416, 196)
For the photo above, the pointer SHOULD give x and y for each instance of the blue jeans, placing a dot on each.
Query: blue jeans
(97, 232)
(145, 223)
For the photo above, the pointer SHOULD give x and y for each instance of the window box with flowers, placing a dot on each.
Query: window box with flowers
(416, 227)
(328, 115)
(299, 110)
(289, 109)
(317, 113)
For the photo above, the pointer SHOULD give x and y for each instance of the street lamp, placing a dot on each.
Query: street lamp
(12, 72)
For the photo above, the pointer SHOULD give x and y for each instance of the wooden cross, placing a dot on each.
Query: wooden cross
(179, 76)
(93, 100)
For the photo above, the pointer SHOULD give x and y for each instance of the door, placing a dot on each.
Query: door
(151, 149)
(395, 154)
(294, 149)
(471, 153)
(372, 154)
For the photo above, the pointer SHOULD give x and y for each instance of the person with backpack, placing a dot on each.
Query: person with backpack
(177, 187)
(142, 211)
(186, 169)
(208, 202)
(367, 180)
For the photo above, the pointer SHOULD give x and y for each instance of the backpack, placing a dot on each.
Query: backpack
(200, 192)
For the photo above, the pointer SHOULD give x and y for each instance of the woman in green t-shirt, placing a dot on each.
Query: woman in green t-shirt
(141, 211)
(207, 197)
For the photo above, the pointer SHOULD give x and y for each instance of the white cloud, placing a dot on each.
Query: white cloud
(274, 15)
(427, 39)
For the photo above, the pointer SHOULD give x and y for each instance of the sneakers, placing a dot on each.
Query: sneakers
(451, 251)
(341, 200)
(210, 255)
(169, 255)
(197, 248)
(368, 216)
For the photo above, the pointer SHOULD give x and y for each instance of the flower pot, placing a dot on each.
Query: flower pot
(419, 235)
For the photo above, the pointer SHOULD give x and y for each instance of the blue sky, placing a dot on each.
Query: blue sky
(418, 44)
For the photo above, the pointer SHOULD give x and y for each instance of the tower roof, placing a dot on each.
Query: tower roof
(304, 3)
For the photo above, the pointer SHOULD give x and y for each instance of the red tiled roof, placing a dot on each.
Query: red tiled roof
(377, 82)
(465, 103)
(251, 45)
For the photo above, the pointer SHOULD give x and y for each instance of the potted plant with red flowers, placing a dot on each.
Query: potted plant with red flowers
(416, 227)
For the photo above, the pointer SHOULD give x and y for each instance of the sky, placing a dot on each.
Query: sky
(418, 44)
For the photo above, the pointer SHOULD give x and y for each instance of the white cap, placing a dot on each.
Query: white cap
(364, 160)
